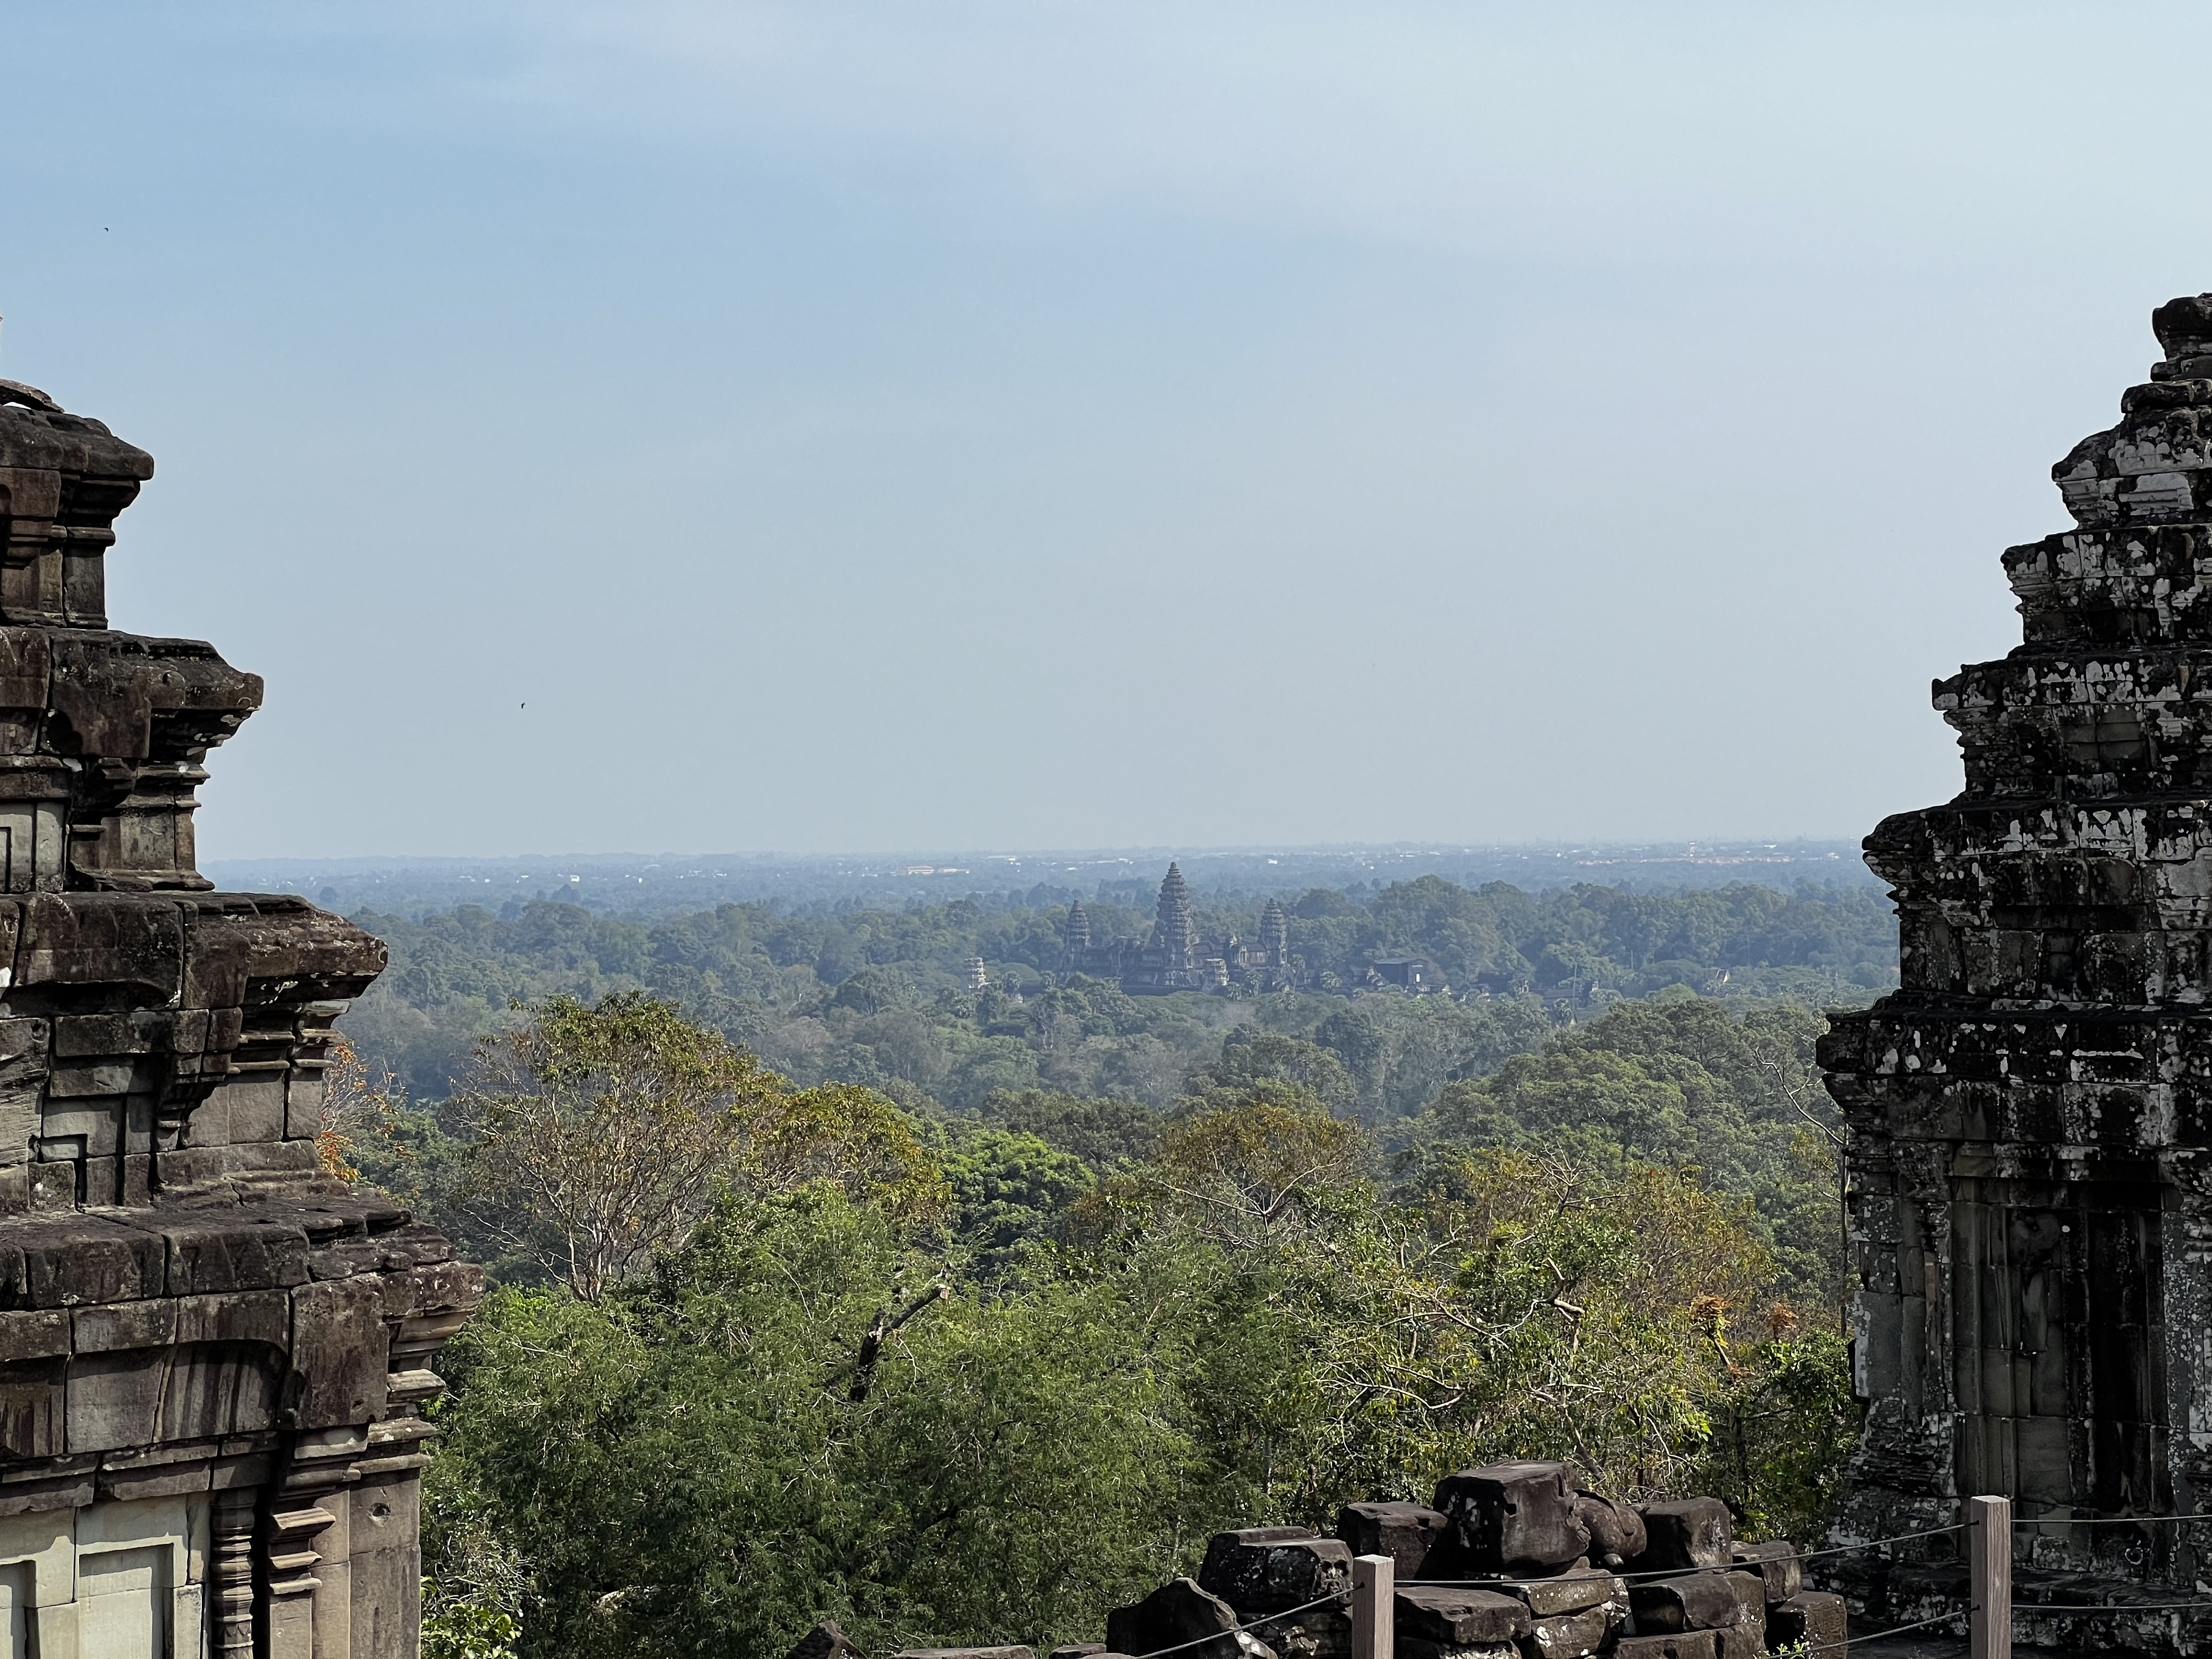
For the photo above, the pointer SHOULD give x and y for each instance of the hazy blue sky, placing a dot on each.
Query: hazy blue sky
(853, 426)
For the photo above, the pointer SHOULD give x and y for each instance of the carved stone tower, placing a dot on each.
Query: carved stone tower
(1275, 934)
(212, 1357)
(2031, 1113)
(1177, 930)
(1075, 936)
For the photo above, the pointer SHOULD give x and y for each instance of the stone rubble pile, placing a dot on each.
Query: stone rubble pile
(1565, 1573)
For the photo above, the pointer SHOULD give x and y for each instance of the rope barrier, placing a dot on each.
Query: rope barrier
(1677, 1573)
(1878, 1543)
(1238, 1630)
(2106, 1520)
(2019, 1608)
(1883, 1635)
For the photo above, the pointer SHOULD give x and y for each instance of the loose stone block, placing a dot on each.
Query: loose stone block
(1514, 1518)
(1816, 1618)
(1751, 1605)
(1420, 1647)
(1404, 1532)
(1775, 1565)
(1179, 1612)
(1262, 1570)
(1573, 1591)
(1679, 1644)
(1696, 1601)
(1570, 1635)
(1693, 1533)
(1456, 1616)
(1322, 1632)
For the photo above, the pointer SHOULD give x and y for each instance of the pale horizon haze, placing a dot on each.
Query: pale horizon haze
(842, 427)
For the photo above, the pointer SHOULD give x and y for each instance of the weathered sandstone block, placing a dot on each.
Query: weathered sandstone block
(1515, 1517)
(1404, 1532)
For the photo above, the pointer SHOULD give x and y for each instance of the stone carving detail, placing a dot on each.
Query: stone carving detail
(2031, 1113)
(213, 1359)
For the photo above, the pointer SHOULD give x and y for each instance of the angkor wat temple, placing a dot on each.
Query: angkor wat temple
(214, 1358)
(2031, 1113)
(1175, 958)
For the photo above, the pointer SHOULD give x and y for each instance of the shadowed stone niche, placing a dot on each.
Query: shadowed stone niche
(2031, 1113)
(213, 1359)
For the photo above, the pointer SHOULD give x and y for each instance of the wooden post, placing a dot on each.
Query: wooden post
(1374, 1593)
(1988, 1556)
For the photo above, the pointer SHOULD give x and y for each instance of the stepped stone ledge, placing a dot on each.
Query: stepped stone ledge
(2030, 1114)
(214, 1358)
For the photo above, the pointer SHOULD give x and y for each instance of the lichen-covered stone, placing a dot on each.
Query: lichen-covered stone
(1568, 1635)
(1816, 1617)
(1573, 1591)
(1262, 1570)
(1683, 1645)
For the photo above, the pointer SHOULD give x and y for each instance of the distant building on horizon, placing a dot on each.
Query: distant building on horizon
(1175, 958)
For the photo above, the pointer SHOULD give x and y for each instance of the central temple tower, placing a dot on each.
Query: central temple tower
(2031, 1113)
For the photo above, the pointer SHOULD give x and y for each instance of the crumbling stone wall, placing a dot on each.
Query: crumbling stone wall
(2030, 1113)
(213, 1359)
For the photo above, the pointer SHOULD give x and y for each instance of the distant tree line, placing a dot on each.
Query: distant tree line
(877, 997)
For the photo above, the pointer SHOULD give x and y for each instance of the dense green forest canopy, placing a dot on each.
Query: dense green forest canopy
(977, 1379)
(876, 996)
(831, 1287)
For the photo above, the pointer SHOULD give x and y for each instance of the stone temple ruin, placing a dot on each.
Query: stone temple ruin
(1519, 1561)
(2031, 1113)
(1175, 958)
(213, 1359)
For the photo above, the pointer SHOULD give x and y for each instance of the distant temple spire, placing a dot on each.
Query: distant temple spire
(1176, 957)
(1178, 933)
(1275, 932)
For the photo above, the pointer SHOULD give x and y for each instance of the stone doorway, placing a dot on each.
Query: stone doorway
(2059, 1350)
